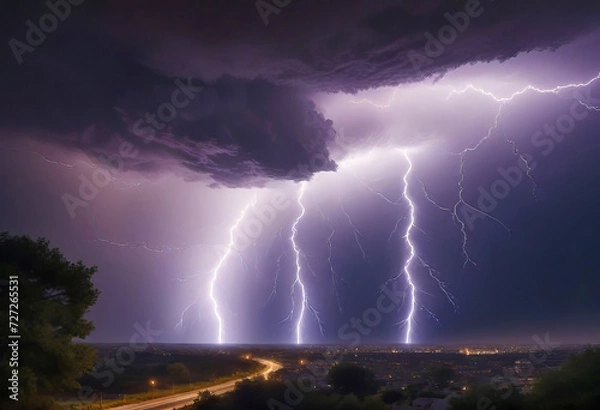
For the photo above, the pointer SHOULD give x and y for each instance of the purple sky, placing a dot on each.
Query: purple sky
(325, 93)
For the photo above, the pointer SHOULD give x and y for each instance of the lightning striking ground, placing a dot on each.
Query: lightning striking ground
(409, 270)
(215, 272)
(411, 256)
(406, 270)
(298, 280)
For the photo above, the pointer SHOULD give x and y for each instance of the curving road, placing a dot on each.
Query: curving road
(183, 399)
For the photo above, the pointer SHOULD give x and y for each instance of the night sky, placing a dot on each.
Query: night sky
(446, 149)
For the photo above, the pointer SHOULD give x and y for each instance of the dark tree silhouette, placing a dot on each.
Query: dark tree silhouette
(53, 297)
(392, 396)
(488, 398)
(206, 401)
(441, 375)
(178, 372)
(348, 378)
(575, 385)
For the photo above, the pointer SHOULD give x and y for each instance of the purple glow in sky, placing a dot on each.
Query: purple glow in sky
(311, 163)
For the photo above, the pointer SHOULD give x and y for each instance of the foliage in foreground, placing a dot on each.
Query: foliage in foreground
(352, 387)
(575, 385)
(53, 297)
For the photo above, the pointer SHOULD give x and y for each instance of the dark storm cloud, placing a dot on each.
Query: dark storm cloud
(93, 81)
(238, 132)
(93, 97)
(342, 44)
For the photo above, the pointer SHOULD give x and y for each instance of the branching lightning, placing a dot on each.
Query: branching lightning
(555, 90)
(410, 268)
(374, 191)
(334, 275)
(502, 101)
(298, 281)
(216, 270)
(46, 158)
(277, 271)
(411, 256)
(434, 274)
(528, 168)
(119, 184)
(406, 270)
(357, 234)
(145, 246)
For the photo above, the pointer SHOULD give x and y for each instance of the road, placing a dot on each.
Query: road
(183, 399)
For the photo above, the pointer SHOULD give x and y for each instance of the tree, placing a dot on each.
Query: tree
(575, 385)
(53, 297)
(348, 402)
(252, 394)
(178, 372)
(392, 396)
(441, 375)
(206, 400)
(350, 378)
(486, 397)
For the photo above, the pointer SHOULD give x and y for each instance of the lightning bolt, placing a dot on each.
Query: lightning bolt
(245, 263)
(216, 270)
(503, 101)
(555, 90)
(357, 234)
(408, 269)
(277, 271)
(433, 273)
(529, 170)
(145, 246)
(334, 275)
(180, 323)
(373, 190)
(298, 281)
(46, 158)
(430, 199)
(411, 247)
(124, 185)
